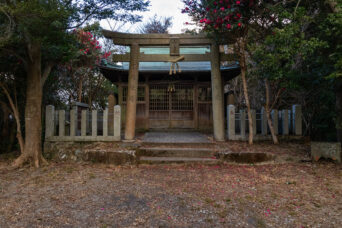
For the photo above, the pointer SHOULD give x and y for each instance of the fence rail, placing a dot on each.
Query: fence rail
(285, 123)
(79, 125)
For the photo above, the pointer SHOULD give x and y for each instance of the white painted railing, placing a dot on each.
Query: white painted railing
(285, 123)
(81, 125)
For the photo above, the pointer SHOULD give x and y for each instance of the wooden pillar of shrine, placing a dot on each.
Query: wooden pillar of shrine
(131, 104)
(217, 94)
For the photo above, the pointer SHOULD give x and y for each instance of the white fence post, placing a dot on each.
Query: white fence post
(243, 124)
(297, 120)
(263, 121)
(49, 121)
(94, 123)
(61, 122)
(86, 135)
(117, 122)
(84, 122)
(105, 122)
(73, 121)
(285, 121)
(231, 122)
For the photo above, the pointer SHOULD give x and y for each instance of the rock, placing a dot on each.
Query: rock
(330, 150)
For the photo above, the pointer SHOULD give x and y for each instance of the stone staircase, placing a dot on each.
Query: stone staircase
(157, 153)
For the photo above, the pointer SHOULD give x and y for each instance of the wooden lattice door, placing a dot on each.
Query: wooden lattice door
(171, 106)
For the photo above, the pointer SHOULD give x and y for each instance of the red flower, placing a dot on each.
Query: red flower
(238, 2)
(229, 26)
(239, 24)
(222, 9)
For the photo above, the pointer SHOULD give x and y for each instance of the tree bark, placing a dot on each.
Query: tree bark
(268, 113)
(33, 108)
(243, 66)
(15, 111)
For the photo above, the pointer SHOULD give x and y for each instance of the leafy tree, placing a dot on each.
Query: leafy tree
(241, 21)
(156, 25)
(331, 29)
(36, 32)
(282, 57)
(82, 67)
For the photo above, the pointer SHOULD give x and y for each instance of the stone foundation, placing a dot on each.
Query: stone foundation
(104, 152)
(246, 157)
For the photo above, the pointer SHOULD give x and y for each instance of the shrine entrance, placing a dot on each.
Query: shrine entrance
(193, 99)
(171, 105)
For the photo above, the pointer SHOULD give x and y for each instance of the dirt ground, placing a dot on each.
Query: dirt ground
(296, 194)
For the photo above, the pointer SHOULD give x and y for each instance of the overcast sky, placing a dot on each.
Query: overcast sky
(163, 8)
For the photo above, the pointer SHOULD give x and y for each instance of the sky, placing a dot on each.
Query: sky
(163, 8)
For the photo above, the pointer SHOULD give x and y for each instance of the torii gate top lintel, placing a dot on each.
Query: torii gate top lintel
(127, 39)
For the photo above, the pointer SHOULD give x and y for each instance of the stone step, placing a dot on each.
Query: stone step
(188, 152)
(162, 160)
(179, 144)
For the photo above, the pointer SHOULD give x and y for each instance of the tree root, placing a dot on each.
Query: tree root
(23, 159)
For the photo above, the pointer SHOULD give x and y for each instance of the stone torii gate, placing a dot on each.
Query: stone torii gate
(174, 41)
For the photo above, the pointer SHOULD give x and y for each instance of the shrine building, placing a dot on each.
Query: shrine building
(171, 81)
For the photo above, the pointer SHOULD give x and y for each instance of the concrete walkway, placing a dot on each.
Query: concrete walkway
(175, 137)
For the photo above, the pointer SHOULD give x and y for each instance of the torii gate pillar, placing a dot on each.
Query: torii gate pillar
(217, 94)
(132, 96)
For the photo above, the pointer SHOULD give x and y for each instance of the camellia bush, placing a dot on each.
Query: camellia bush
(82, 73)
(89, 47)
(231, 15)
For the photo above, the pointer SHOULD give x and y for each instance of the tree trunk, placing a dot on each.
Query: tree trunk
(268, 113)
(243, 66)
(15, 111)
(33, 122)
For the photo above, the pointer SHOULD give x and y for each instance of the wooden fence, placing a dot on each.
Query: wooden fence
(285, 122)
(82, 125)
